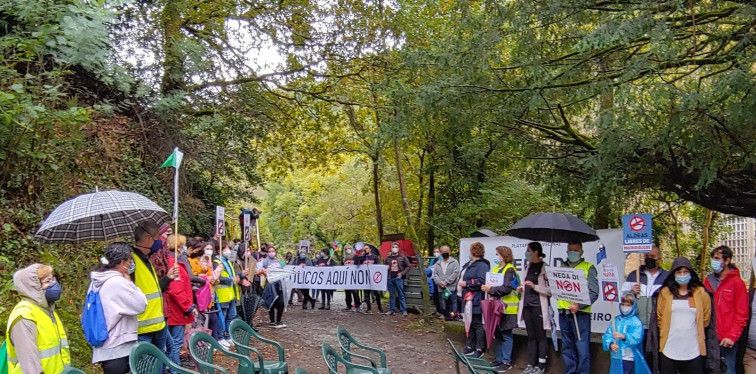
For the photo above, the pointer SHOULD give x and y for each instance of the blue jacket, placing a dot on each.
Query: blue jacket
(475, 276)
(429, 274)
(630, 326)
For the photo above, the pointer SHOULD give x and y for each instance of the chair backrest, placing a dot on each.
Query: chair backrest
(241, 332)
(330, 357)
(146, 358)
(300, 371)
(202, 346)
(345, 341)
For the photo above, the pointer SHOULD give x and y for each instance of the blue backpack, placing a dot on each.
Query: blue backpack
(93, 320)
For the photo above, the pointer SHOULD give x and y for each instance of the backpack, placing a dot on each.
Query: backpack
(93, 320)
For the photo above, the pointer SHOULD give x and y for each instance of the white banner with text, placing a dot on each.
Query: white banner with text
(362, 277)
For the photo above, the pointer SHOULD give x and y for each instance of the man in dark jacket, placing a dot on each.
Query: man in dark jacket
(399, 266)
(370, 258)
(302, 260)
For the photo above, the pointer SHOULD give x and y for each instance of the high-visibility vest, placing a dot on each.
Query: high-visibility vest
(52, 342)
(585, 266)
(511, 301)
(153, 318)
(226, 293)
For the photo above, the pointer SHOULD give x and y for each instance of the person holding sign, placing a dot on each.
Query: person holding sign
(508, 295)
(623, 338)
(683, 316)
(575, 319)
(534, 308)
(730, 303)
(472, 278)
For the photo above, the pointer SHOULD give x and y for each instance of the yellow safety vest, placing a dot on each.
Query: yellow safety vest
(226, 293)
(511, 301)
(585, 266)
(52, 342)
(153, 318)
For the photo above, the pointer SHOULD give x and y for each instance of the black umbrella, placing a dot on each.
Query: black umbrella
(554, 228)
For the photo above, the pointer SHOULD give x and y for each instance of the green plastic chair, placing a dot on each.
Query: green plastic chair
(202, 347)
(473, 365)
(242, 335)
(332, 360)
(72, 370)
(300, 371)
(346, 341)
(146, 358)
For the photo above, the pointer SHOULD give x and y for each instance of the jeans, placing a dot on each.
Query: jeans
(628, 367)
(505, 348)
(396, 289)
(576, 353)
(157, 338)
(230, 313)
(729, 355)
(670, 366)
(175, 343)
(450, 304)
(214, 323)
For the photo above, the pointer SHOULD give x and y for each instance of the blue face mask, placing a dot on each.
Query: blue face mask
(496, 260)
(716, 265)
(156, 245)
(682, 279)
(573, 256)
(132, 268)
(303, 256)
(52, 293)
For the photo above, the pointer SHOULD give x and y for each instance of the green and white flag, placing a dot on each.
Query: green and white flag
(174, 160)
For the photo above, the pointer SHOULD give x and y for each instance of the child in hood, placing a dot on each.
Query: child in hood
(624, 338)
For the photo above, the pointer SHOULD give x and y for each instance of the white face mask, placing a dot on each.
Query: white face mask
(394, 250)
(208, 252)
(625, 309)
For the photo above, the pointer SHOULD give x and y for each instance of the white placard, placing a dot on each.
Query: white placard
(608, 278)
(220, 221)
(362, 277)
(494, 279)
(247, 228)
(569, 284)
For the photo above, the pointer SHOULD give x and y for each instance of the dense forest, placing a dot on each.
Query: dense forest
(348, 120)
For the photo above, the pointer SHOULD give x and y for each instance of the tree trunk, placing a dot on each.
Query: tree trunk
(603, 207)
(413, 233)
(431, 202)
(173, 62)
(376, 194)
(422, 191)
(706, 230)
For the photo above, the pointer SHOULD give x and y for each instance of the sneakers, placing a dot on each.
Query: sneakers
(322, 307)
(328, 307)
(503, 367)
(368, 311)
(271, 324)
(357, 309)
(225, 344)
(467, 351)
(528, 369)
(279, 325)
(476, 354)
(537, 370)
(496, 363)
(404, 314)
(389, 313)
(347, 309)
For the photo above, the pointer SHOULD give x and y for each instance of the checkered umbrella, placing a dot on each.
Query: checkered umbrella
(99, 216)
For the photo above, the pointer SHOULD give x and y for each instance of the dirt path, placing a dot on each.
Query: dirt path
(410, 346)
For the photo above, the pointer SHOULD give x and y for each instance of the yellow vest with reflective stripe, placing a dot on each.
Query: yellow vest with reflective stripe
(52, 342)
(511, 301)
(585, 266)
(226, 293)
(153, 318)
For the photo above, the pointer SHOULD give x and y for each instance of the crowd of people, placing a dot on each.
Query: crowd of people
(162, 284)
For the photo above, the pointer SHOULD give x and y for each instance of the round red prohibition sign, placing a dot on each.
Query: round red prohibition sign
(377, 277)
(637, 223)
(610, 292)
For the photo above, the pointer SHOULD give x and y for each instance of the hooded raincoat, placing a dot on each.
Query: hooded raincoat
(632, 327)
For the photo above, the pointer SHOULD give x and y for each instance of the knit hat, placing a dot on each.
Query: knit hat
(116, 253)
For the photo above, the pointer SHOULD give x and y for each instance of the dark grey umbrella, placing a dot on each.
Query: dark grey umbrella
(554, 228)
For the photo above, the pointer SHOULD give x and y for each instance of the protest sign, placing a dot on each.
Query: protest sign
(637, 235)
(569, 284)
(247, 228)
(220, 221)
(609, 282)
(304, 245)
(361, 277)
(494, 279)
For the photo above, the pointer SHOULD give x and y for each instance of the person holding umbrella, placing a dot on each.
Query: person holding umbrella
(37, 341)
(575, 319)
(473, 276)
(534, 308)
(511, 300)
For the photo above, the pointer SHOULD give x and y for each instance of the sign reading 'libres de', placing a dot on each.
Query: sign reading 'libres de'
(362, 277)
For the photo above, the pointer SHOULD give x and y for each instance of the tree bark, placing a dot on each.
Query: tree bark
(376, 194)
(431, 204)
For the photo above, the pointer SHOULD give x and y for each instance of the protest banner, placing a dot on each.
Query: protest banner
(637, 235)
(569, 284)
(361, 277)
(494, 279)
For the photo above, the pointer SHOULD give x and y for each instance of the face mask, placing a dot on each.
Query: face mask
(322, 255)
(716, 265)
(394, 250)
(156, 245)
(573, 256)
(436, 254)
(227, 253)
(650, 263)
(208, 252)
(132, 267)
(183, 250)
(272, 254)
(303, 256)
(682, 279)
(625, 309)
(52, 293)
(349, 251)
(496, 261)
(236, 247)
(445, 255)
(232, 256)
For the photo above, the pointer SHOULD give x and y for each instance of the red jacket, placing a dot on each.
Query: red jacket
(730, 304)
(178, 297)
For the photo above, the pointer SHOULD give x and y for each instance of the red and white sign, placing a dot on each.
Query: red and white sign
(637, 223)
(569, 284)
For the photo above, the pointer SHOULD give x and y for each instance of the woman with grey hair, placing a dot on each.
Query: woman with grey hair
(122, 301)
